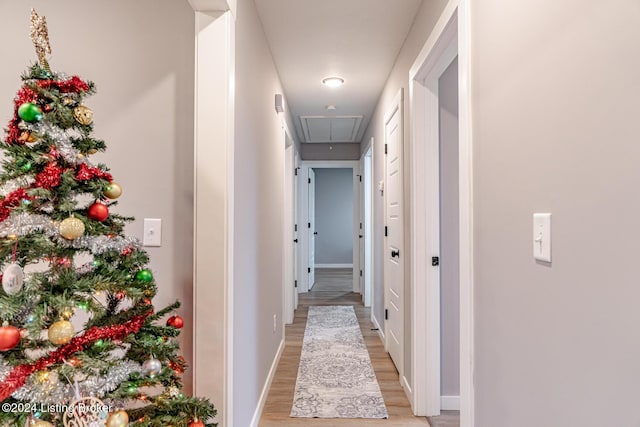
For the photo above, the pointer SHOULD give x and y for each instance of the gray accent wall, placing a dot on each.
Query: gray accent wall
(449, 233)
(555, 104)
(334, 216)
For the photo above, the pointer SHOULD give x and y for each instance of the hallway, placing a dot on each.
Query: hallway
(333, 287)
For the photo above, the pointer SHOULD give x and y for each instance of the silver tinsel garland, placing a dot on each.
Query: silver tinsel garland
(13, 184)
(55, 389)
(62, 140)
(23, 224)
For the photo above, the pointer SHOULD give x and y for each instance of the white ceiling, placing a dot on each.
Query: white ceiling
(357, 40)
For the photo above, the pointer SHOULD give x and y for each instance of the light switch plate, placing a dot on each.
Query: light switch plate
(542, 236)
(152, 232)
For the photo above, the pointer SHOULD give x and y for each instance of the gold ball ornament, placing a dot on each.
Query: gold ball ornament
(71, 228)
(83, 115)
(113, 190)
(61, 332)
(117, 419)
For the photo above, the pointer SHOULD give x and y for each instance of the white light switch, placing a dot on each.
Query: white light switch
(152, 232)
(542, 236)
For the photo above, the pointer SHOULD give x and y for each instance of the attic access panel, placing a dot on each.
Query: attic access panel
(330, 128)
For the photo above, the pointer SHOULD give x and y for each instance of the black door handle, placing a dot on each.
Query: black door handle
(315, 232)
(361, 236)
(395, 253)
(295, 240)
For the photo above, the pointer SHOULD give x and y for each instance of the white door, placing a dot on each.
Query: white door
(311, 226)
(296, 272)
(394, 248)
(361, 231)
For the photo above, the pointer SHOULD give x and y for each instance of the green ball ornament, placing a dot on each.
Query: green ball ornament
(30, 112)
(144, 276)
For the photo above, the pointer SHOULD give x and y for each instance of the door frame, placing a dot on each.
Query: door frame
(289, 291)
(366, 214)
(303, 211)
(449, 38)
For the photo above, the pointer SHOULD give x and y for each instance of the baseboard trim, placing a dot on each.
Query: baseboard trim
(267, 385)
(377, 326)
(407, 388)
(450, 403)
(333, 265)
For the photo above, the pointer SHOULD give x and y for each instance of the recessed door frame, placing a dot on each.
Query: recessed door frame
(449, 38)
(303, 211)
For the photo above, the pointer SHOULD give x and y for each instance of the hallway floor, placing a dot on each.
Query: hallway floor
(333, 287)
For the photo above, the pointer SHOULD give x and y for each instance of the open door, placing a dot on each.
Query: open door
(311, 226)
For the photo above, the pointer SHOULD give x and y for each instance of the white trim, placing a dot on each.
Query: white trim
(303, 209)
(267, 385)
(467, 390)
(407, 388)
(450, 403)
(334, 265)
(288, 221)
(213, 210)
(446, 40)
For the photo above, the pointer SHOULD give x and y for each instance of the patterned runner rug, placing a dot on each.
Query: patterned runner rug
(335, 377)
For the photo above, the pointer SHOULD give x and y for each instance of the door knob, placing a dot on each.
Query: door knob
(295, 240)
(395, 254)
(315, 233)
(361, 236)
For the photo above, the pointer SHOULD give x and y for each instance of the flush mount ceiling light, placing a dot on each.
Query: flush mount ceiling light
(333, 81)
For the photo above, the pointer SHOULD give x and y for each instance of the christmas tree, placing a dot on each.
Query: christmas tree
(80, 341)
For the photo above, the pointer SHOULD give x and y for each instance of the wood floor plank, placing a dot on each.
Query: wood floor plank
(335, 289)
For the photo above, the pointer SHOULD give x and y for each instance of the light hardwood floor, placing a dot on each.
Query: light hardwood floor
(334, 288)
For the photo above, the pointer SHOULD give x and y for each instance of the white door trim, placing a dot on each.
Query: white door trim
(449, 38)
(288, 289)
(213, 210)
(354, 165)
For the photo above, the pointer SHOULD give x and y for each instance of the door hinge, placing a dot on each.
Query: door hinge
(360, 176)
(309, 180)
(360, 273)
(386, 314)
(360, 226)
(295, 171)
(385, 148)
(435, 261)
(308, 225)
(309, 270)
(295, 227)
(295, 283)
(386, 230)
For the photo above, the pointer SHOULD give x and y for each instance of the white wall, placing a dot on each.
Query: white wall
(555, 102)
(426, 17)
(334, 216)
(449, 233)
(143, 111)
(325, 151)
(259, 209)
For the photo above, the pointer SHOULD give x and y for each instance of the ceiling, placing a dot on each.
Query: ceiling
(357, 40)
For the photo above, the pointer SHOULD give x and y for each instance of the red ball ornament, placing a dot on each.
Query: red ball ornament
(176, 322)
(196, 423)
(9, 337)
(98, 211)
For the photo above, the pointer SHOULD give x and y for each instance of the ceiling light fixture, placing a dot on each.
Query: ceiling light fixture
(333, 81)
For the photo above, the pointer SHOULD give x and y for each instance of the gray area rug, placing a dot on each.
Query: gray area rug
(335, 377)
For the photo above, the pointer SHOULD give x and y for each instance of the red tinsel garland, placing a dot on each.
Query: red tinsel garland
(19, 374)
(86, 172)
(12, 200)
(74, 84)
(13, 131)
(49, 177)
